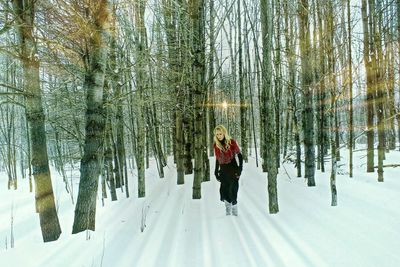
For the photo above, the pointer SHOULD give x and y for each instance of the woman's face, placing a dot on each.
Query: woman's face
(220, 135)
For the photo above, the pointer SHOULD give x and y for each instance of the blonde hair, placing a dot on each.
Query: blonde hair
(228, 139)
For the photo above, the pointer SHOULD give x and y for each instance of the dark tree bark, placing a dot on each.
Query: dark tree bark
(196, 11)
(322, 118)
(269, 120)
(85, 209)
(350, 64)
(307, 88)
(243, 109)
(211, 82)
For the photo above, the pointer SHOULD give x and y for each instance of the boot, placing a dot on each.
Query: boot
(235, 210)
(228, 207)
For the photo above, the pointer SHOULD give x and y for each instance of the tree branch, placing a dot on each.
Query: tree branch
(389, 165)
(12, 102)
(11, 93)
(6, 27)
(12, 88)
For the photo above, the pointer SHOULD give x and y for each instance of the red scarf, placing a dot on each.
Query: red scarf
(225, 156)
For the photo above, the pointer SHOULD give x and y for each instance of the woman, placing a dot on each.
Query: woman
(227, 170)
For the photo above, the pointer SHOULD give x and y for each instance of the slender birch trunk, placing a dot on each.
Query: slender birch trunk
(211, 82)
(370, 90)
(323, 141)
(379, 84)
(350, 66)
(398, 45)
(333, 99)
(243, 108)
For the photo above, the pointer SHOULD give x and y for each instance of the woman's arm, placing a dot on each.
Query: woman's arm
(240, 157)
(216, 171)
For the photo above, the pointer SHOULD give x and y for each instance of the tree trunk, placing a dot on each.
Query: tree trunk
(350, 65)
(196, 11)
(390, 96)
(175, 64)
(211, 83)
(140, 68)
(119, 146)
(337, 127)
(333, 104)
(44, 196)
(85, 209)
(307, 88)
(266, 70)
(278, 80)
(243, 109)
(380, 95)
(370, 90)
(333, 155)
(322, 118)
(268, 107)
(398, 45)
(108, 161)
(252, 78)
(290, 52)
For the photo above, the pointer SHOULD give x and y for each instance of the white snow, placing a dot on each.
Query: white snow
(363, 230)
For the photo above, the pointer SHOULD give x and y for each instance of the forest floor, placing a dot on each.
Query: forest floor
(363, 230)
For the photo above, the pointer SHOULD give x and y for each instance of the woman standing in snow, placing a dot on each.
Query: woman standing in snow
(227, 170)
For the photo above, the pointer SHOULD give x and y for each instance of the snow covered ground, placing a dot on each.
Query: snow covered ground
(363, 230)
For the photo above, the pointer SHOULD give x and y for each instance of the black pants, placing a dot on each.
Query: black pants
(229, 188)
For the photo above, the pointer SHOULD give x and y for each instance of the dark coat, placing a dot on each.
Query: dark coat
(228, 174)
